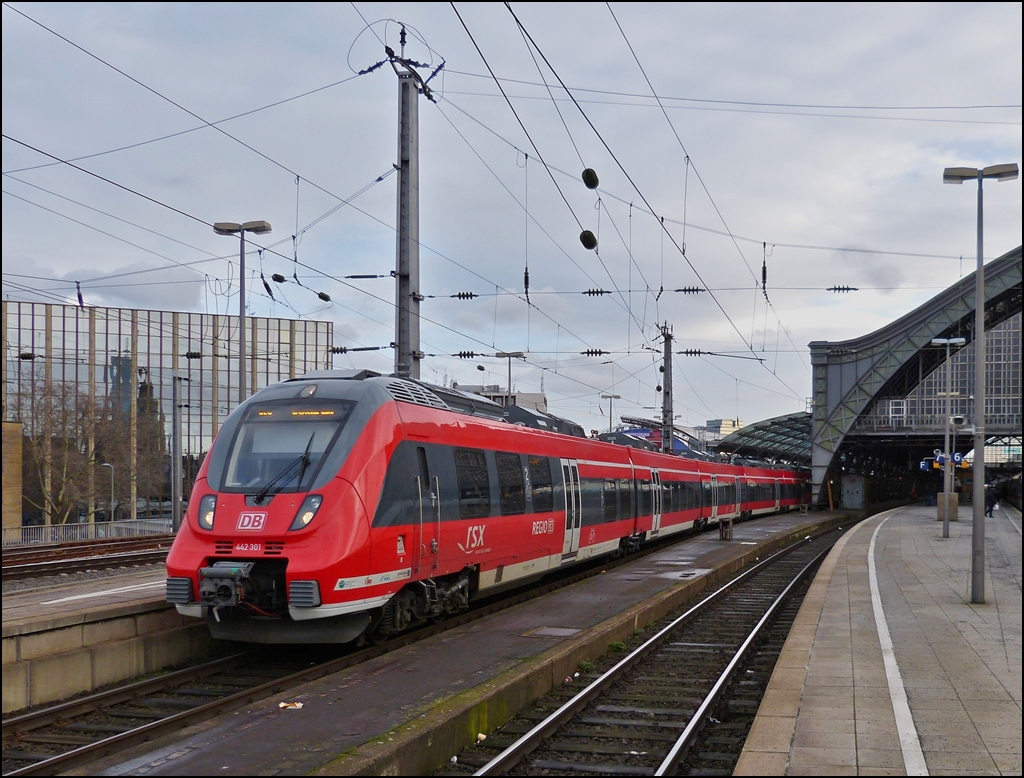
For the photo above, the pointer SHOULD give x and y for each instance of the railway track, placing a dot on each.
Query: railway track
(63, 736)
(643, 715)
(51, 559)
(60, 737)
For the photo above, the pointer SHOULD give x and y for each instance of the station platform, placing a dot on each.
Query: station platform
(408, 711)
(889, 668)
(63, 639)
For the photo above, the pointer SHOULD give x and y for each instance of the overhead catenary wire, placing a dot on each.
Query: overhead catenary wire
(294, 258)
(622, 168)
(540, 156)
(251, 278)
(756, 103)
(722, 109)
(704, 228)
(207, 223)
(314, 269)
(700, 180)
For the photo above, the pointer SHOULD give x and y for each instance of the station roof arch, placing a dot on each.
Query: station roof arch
(849, 376)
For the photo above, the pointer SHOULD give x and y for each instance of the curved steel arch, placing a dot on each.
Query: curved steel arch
(850, 375)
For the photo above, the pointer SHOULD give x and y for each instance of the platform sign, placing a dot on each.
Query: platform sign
(924, 464)
(958, 458)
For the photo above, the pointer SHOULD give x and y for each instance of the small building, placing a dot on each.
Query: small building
(854, 491)
(723, 427)
(535, 401)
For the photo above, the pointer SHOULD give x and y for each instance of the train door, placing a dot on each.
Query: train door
(573, 507)
(737, 497)
(714, 497)
(428, 530)
(778, 495)
(656, 502)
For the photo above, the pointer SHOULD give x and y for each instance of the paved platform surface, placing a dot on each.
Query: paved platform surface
(367, 705)
(59, 605)
(942, 698)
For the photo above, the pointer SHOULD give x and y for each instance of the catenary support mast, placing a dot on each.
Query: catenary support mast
(407, 262)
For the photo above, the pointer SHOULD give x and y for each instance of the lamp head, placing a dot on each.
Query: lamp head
(957, 175)
(1001, 172)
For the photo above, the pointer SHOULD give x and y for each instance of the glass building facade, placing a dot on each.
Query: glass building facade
(71, 373)
(1002, 381)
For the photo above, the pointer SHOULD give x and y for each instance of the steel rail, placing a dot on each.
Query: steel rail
(18, 572)
(105, 746)
(92, 547)
(529, 741)
(27, 722)
(678, 751)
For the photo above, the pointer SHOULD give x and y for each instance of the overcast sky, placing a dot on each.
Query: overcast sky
(819, 130)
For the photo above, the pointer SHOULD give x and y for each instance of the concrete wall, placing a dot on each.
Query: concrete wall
(12, 474)
(52, 661)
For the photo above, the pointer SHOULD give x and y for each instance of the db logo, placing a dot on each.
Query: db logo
(251, 520)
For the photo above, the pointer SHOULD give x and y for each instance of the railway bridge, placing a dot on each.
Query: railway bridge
(879, 400)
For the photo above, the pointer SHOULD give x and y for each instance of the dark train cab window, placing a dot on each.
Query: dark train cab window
(510, 483)
(540, 478)
(474, 485)
(281, 446)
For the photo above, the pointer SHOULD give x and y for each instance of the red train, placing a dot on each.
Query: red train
(346, 503)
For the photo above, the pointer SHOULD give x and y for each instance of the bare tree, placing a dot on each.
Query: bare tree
(56, 464)
(113, 446)
(57, 461)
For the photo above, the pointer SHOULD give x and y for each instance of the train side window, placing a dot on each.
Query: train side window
(540, 478)
(510, 483)
(591, 495)
(646, 500)
(626, 498)
(611, 500)
(421, 459)
(474, 484)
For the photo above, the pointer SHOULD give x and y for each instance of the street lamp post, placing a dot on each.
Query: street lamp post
(110, 507)
(957, 175)
(510, 355)
(947, 469)
(230, 228)
(610, 398)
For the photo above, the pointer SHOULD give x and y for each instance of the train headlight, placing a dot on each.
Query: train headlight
(307, 511)
(207, 507)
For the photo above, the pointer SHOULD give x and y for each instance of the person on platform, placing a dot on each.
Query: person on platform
(990, 500)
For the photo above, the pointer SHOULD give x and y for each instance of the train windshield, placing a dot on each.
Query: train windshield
(280, 446)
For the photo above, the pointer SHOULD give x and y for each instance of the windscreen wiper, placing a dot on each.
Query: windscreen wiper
(305, 460)
(302, 459)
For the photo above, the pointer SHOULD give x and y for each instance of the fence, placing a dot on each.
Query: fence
(62, 533)
(995, 424)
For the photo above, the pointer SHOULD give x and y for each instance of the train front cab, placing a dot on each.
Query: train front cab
(277, 527)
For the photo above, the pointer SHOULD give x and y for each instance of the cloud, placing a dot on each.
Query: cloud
(760, 168)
